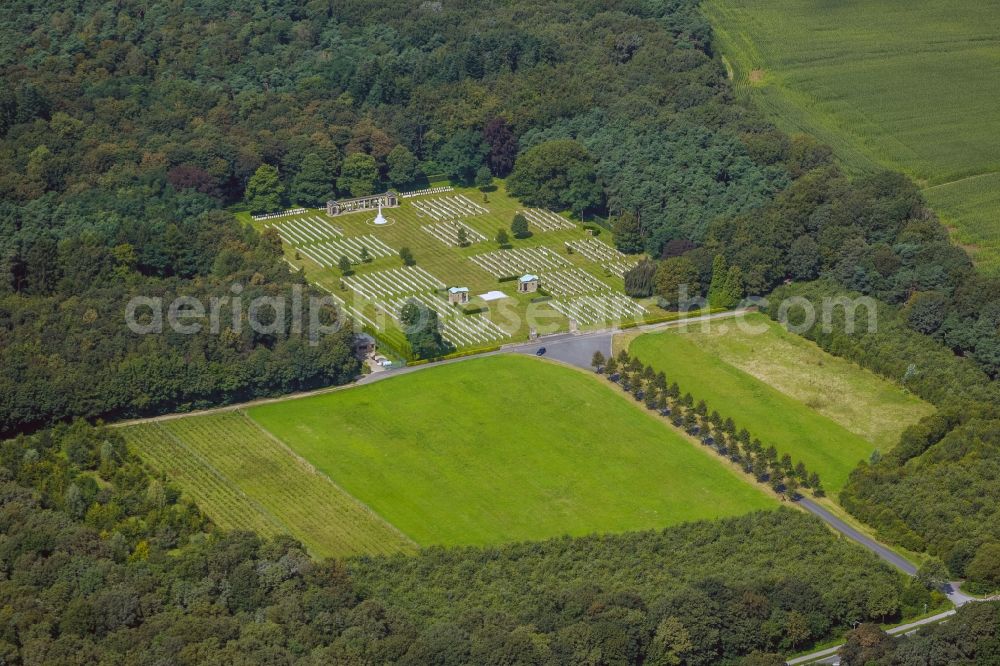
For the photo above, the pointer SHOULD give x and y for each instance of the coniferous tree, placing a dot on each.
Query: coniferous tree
(519, 226)
(652, 397)
(661, 381)
(627, 233)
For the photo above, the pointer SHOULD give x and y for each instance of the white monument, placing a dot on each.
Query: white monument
(379, 219)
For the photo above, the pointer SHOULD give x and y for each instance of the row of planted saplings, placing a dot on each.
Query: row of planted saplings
(785, 476)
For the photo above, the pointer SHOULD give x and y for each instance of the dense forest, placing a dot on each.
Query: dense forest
(101, 562)
(65, 348)
(826, 237)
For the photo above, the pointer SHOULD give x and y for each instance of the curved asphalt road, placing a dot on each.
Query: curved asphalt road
(854, 535)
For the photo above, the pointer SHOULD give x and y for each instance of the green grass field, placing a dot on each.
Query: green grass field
(507, 448)
(785, 390)
(910, 85)
(245, 479)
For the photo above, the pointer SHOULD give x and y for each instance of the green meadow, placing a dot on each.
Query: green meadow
(507, 448)
(785, 390)
(489, 450)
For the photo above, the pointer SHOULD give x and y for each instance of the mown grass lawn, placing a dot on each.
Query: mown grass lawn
(507, 448)
(785, 390)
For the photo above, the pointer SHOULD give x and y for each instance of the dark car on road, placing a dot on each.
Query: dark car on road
(540, 352)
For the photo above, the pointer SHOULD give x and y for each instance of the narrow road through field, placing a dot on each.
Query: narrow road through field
(952, 590)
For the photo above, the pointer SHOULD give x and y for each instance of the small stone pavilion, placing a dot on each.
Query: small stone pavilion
(527, 284)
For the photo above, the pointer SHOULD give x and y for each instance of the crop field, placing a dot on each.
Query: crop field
(558, 249)
(245, 479)
(507, 448)
(971, 208)
(909, 85)
(785, 390)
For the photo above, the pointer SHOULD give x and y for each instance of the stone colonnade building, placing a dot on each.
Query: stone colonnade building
(337, 207)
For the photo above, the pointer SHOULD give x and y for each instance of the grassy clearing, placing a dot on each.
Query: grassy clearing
(507, 448)
(785, 390)
(245, 479)
(909, 85)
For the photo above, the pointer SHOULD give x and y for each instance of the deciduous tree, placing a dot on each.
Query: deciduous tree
(358, 175)
(265, 193)
(313, 185)
(556, 174)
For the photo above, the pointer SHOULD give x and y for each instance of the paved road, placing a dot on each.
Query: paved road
(853, 534)
(955, 595)
(829, 655)
(572, 349)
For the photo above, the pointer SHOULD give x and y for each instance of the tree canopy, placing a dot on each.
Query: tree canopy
(359, 175)
(556, 174)
(265, 193)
